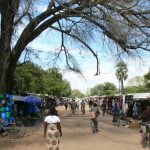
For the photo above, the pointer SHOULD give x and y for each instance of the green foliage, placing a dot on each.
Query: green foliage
(147, 80)
(121, 71)
(136, 81)
(30, 78)
(66, 88)
(135, 89)
(121, 74)
(104, 89)
(77, 93)
(136, 85)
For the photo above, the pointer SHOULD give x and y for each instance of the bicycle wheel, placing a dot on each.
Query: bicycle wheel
(118, 122)
(144, 141)
(20, 131)
(15, 132)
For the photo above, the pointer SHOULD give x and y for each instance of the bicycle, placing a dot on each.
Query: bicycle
(116, 119)
(120, 120)
(13, 130)
(146, 134)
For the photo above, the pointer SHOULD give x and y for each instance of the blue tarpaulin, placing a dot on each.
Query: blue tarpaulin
(32, 99)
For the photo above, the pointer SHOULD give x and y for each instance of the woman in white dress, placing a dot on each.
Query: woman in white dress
(52, 129)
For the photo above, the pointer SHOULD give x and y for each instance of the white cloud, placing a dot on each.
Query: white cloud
(107, 75)
(88, 65)
(44, 47)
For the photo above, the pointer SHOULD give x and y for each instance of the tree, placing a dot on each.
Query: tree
(147, 80)
(30, 78)
(53, 81)
(126, 22)
(135, 85)
(135, 89)
(136, 81)
(66, 89)
(121, 74)
(77, 93)
(106, 88)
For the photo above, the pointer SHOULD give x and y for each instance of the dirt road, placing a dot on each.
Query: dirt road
(77, 135)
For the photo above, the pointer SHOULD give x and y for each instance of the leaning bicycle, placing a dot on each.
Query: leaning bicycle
(146, 134)
(13, 130)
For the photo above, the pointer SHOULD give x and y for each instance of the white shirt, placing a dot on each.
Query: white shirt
(52, 119)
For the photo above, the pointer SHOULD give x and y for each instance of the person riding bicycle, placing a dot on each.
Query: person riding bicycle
(95, 112)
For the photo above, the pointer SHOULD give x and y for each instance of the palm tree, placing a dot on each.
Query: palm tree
(121, 74)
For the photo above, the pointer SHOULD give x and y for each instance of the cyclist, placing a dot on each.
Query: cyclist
(95, 112)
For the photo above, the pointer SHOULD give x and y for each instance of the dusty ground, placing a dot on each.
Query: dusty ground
(77, 135)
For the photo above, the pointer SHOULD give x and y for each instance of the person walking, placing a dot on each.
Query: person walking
(95, 112)
(52, 129)
(66, 104)
(73, 106)
(115, 112)
(103, 107)
(83, 107)
(90, 104)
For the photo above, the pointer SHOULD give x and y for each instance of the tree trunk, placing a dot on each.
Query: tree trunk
(7, 61)
(122, 87)
(7, 69)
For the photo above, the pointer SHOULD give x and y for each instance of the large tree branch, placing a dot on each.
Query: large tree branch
(108, 33)
(81, 41)
(25, 13)
(33, 30)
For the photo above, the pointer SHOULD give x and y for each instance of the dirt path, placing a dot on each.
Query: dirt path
(77, 135)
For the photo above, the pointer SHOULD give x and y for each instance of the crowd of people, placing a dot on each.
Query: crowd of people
(52, 126)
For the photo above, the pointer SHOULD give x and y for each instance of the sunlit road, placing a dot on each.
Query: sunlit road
(77, 135)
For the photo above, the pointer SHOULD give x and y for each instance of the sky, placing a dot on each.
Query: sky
(136, 66)
(49, 41)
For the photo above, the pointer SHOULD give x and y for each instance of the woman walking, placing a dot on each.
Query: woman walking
(52, 129)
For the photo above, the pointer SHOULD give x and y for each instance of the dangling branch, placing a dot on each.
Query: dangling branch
(84, 43)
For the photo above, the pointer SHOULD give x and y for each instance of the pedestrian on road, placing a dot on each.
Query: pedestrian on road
(73, 106)
(52, 129)
(115, 112)
(90, 104)
(95, 112)
(104, 107)
(83, 107)
(66, 104)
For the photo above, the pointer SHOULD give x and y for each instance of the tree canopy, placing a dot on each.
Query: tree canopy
(125, 22)
(121, 74)
(147, 80)
(106, 88)
(77, 93)
(30, 78)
